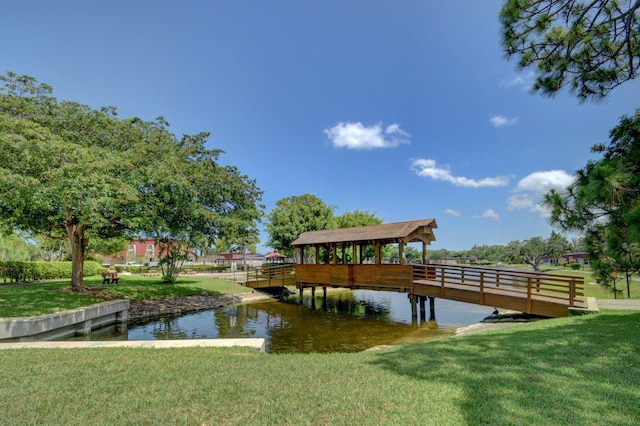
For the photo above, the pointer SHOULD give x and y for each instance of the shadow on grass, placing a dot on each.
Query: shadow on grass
(581, 370)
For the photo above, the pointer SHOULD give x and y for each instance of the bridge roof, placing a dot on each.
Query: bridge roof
(388, 233)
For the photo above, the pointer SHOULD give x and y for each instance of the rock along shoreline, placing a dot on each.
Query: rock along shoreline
(150, 310)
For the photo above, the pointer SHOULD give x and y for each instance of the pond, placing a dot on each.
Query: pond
(352, 321)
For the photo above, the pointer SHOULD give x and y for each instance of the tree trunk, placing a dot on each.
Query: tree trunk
(78, 245)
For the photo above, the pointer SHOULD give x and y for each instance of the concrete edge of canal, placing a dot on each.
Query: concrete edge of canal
(254, 343)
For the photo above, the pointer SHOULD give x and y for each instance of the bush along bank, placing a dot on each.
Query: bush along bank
(22, 272)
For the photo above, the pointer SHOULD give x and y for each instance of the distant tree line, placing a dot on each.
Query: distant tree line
(532, 251)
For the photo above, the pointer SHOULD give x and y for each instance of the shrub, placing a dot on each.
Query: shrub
(36, 271)
(576, 266)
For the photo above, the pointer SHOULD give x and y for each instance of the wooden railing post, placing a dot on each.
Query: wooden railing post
(529, 295)
(442, 281)
(482, 287)
(572, 291)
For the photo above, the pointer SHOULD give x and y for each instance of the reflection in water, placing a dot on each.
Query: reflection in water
(350, 322)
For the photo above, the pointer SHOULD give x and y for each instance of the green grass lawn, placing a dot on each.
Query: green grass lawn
(567, 371)
(53, 297)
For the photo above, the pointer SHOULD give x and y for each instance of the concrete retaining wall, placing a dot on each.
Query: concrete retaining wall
(254, 343)
(66, 323)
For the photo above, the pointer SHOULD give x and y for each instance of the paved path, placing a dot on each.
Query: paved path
(622, 304)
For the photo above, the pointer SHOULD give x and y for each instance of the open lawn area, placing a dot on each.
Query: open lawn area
(53, 297)
(567, 371)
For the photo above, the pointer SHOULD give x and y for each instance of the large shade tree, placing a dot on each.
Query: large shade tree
(194, 201)
(294, 215)
(537, 249)
(68, 168)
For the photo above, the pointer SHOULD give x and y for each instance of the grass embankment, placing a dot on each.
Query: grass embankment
(577, 370)
(53, 297)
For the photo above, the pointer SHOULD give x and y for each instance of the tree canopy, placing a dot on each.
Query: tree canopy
(294, 215)
(66, 168)
(604, 201)
(589, 46)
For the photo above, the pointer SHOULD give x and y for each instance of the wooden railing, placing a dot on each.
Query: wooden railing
(561, 289)
(531, 292)
(272, 276)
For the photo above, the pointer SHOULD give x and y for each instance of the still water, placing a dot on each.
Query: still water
(351, 322)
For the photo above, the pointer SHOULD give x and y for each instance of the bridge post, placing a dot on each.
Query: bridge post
(313, 297)
(414, 306)
(423, 313)
(432, 308)
(301, 290)
(324, 298)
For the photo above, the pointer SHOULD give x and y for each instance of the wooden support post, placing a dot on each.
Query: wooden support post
(572, 292)
(324, 298)
(528, 295)
(424, 253)
(354, 251)
(423, 314)
(432, 308)
(301, 293)
(414, 306)
(313, 297)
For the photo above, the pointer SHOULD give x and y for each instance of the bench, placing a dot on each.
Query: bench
(110, 278)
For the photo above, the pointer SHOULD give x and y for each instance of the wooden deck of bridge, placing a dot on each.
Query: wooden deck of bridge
(530, 292)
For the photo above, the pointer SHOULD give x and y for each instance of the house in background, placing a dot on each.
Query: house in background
(581, 258)
(137, 252)
(147, 253)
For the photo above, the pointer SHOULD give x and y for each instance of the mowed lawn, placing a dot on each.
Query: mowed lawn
(53, 297)
(568, 371)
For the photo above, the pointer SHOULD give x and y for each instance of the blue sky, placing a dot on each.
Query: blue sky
(406, 109)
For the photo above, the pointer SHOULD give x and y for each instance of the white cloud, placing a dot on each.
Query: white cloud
(425, 167)
(357, 136)
(542, 182)
(502, 121)
(531, 188)
(453, 212)
(521, 201)
(491, 214)
(525, 81)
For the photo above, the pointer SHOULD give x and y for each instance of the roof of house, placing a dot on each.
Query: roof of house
(410, 231)
(275, 255)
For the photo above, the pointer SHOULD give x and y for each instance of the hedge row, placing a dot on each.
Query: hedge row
(22, 272)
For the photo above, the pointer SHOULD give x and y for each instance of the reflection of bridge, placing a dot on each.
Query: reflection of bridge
(339, 262)
(530, 292)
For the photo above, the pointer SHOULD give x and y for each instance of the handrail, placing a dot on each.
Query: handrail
(563, 288)
(272, 273)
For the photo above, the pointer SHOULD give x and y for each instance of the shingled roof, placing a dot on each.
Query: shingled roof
(411, 231)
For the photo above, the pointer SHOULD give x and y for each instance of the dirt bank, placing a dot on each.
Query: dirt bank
(148, 310)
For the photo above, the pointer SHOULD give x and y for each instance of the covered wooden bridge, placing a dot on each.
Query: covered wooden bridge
(341, 258)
